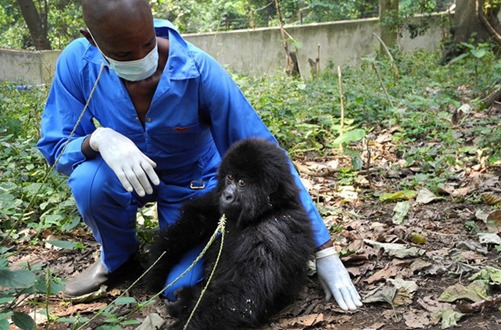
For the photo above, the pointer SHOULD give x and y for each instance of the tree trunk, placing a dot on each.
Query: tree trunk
(471, 24)
(467, 24)
(36, 26)
(389, 35)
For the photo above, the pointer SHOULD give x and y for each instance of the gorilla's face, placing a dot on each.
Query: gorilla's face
(243, 199)
(230, 196)
(249, 177)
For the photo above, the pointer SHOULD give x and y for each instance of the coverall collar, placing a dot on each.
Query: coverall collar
(179, 66)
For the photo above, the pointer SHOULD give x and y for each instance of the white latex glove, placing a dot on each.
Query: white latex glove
(132, 167)
(335, 280)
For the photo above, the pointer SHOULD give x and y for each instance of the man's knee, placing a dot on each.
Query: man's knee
(93, 183)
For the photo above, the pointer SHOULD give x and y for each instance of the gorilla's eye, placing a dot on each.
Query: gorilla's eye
(242, 183)
(230, 178)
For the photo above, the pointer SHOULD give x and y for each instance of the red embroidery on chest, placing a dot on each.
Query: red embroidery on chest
(181, 129)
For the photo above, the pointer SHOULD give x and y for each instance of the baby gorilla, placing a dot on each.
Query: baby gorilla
(267, 242)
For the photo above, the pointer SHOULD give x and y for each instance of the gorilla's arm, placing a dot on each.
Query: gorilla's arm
(197, 222)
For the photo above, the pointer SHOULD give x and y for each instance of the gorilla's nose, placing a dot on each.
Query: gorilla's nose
(228, 197)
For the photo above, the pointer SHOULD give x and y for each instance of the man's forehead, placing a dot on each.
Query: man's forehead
(98, 14)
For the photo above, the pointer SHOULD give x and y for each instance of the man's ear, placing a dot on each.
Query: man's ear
(88, 36)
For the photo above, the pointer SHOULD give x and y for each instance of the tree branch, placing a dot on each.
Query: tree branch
(480, 12)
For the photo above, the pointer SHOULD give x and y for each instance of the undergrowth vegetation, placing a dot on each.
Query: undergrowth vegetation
(412, 97)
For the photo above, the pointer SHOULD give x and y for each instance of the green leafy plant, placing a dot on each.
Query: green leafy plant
(18, 286)
(30, 194)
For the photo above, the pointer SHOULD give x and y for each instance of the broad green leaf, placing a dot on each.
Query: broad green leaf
(73, 320)
(467, 45)
(33, 188)
(297, 44)
(478, 53)
(490, 274)
(458, 58)
(398, 195)
(109, 327)
(5, 315)
(125, 301)
(357, 162)
(73, 222)
(51, 219)
(17, 279)
(8, 201)
(5, 299)
(8, 186)
(23, 321)
(41, 287)
(67, 245)
(4, 325)
(350, 136)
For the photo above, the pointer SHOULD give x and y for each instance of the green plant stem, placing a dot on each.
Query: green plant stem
(392, 60)
(382, 85)
(222, 224)
(341, 100)
(47, 295)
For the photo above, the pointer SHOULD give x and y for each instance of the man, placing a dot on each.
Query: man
(167, 112)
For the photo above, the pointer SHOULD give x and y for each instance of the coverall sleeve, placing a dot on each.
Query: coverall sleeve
(233, 118)
(63, 108)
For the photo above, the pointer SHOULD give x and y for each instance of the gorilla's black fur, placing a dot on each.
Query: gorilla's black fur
(267, 243)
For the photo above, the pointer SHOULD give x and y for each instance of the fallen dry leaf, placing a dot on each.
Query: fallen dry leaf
(425, 196)
(489, 238)
(305, 321)
(493, 221)
(468, 308)
(79, 309)
(448, 317)
(474, 292)
(376, 326)
(491, 199)
(431, 305)
(384, 293)
(382, 275)
(402, 297)
(416, 319)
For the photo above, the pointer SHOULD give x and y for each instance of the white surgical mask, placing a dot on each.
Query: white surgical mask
(134, 70)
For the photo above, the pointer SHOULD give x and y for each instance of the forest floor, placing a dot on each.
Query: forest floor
(412, 254)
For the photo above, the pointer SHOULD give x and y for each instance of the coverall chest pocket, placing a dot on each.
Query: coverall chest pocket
(178, 139)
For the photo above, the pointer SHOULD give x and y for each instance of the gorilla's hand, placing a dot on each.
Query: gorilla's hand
(335, 280)
(185, 300)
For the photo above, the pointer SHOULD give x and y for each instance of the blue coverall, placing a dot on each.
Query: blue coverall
(196, 113)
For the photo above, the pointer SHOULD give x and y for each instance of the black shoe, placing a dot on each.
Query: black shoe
(91, 279)
(88, 281)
